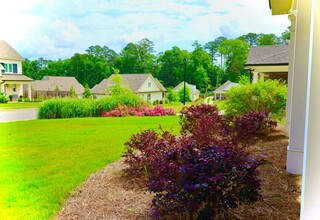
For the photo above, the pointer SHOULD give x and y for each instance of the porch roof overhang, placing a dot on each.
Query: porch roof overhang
(272, 68)
(279, 7)
(15, 78)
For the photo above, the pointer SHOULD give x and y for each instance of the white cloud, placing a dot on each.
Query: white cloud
(58, 29)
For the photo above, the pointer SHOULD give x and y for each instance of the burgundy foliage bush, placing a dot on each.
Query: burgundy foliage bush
(206, 125)
(143, 147)
(125, 110)
(202, 179)
(204, 171)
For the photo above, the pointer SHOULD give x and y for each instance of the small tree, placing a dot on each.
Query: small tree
(57, 91)
(87, 94)
(188, 94)
(72, 92)
(117, 89)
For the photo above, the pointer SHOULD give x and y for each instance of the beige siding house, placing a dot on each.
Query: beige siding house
(268, 62)
(195, 93)
(12, 81)
(220, 91)
(145, 85)
(51, 86)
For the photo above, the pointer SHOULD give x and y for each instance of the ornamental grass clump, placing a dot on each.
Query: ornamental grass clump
(75, 107)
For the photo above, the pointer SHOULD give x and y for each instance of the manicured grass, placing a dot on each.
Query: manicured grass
(19, 105)
(41, 161)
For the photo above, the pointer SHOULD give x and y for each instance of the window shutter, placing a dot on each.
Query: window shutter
(15, 68)
(3, 67)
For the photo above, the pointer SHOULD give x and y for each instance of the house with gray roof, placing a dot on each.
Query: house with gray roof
(51, 86)
(194, 92)
(268, 62)
(12, 81)
(220, 91)
(145, 85)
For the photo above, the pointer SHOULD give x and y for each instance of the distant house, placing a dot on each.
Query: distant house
(220, 91)
(11, 79)
(195, 93)
(51, 86)
(268, 62)
(145, 85)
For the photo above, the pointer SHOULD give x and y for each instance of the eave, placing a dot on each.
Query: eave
(279, 7)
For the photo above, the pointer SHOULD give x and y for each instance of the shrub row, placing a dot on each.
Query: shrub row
(124, 110)
(206, 169)
(70, 108)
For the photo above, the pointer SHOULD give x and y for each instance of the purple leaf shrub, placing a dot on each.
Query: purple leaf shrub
(204, 171)
(202, 179)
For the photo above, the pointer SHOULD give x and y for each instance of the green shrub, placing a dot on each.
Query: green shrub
(20, 99)
(173, 96)
(181, 94)
(39, 99)
(3, 98)
(264, 96)
(27, 100)
(10, 97)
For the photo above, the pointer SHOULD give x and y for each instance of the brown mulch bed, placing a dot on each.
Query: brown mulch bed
(109, 194)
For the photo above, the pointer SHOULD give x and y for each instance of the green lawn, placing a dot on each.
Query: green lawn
(19, 105)
(41, 161)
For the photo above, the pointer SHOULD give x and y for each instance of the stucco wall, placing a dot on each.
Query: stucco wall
(154, 96)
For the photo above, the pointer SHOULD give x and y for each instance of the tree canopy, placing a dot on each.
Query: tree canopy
(207, 65)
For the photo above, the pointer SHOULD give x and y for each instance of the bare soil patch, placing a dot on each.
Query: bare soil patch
(109, 194)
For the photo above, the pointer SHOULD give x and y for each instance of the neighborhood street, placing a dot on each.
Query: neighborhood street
(18, 115)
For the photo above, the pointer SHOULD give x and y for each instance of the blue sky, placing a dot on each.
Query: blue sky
(55, 29)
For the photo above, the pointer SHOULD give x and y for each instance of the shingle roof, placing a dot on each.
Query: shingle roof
(15, 77)
(48, 83)
(7, 52)
(131, 81)
(225, 87)
(268, 55)
(102, 87)
(193, 88)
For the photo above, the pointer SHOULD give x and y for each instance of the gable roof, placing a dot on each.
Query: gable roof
(48, 83)
(131, 81)
(268, 55)
(193, 88)
(8, 52)
(225, 87)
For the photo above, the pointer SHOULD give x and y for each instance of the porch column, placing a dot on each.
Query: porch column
(2, 88)
(21, 89)
(29, 91)
(292, 18)
(310, 198)
(299, 93)
(255, 77)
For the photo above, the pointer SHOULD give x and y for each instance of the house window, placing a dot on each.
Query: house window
(148, 97)
(149, 84)
(15, 68)
(14, 87)
(10, 67)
